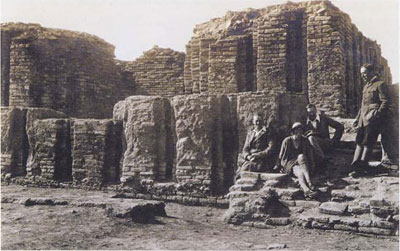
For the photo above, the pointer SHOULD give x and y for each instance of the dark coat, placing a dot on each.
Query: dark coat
(261, 145)
(322, 130)
(375, 103)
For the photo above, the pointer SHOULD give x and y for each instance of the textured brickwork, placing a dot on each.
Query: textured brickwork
(146, 121)
(306, 48)
(62, 70)
(50, 149)
(13, 141)
(158, 71)
(96, 150)
(199, 142)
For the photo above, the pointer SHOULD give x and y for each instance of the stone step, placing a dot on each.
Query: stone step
(243, 187)
(340, 195)
(241, 194)
(264, 176)
(333, 208)
(243, 181)
(273, 176)
(289, 193)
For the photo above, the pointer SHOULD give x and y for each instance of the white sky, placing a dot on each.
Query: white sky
(134, 26)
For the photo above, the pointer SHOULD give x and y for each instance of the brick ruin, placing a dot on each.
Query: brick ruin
(171, 125)
(310, 48)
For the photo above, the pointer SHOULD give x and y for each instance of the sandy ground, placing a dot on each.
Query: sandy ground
(72, 227)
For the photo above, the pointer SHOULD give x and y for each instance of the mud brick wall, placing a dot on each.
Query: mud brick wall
(158, 71)
(198, 129)
(50, 149)
(13, 141)
(305, 48)
(148, 153)
(16, 123)
(229, 71)
(63, 70)
(96, 150)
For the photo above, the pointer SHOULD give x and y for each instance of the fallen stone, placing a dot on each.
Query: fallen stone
(344, 228)
(138, 211)
(42, 201)
(276, 246)
(278, 221)
(333, 208)
(374, 230)
(323, 226)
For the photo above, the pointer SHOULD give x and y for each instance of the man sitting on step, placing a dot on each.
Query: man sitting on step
(296, 158)
(258, 148)
(317, 132)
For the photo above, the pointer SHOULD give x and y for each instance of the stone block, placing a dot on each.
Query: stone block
(333, 208)
(374, 230)
(96, 150)
(50, 149)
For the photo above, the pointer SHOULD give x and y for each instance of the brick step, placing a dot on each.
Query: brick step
(264, 176)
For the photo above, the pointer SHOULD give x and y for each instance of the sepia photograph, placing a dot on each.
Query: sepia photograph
(199, 125)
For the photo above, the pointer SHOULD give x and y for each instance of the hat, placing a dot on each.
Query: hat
(296, 125)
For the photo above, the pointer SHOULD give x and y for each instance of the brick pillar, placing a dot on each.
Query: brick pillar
(96, 150)
(50, 149)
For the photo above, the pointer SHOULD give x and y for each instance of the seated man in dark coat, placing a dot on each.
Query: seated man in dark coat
(317, 132)
(296, 158)
(258, 148)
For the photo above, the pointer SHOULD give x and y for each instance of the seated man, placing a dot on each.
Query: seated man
(257, 149)
(296, 158)
(317, 131)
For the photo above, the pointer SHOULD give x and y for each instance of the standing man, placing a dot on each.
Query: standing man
(258, 148)
(317, 131)
(296, 158)
(370, 117)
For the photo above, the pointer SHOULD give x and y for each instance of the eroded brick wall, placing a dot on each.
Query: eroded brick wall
(306, 48)
(63, 70)
(158, 71)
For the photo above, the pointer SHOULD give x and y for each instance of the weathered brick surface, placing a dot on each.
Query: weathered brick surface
(96, 150)
(147, 132)
(13, 141)
(307, 48)
(199, 157)
(158, 71)
(62, 70)
(50, 149)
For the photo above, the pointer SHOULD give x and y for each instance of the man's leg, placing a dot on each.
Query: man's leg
(357, 154)
(318, 145)
(299, 173)
(302, 160)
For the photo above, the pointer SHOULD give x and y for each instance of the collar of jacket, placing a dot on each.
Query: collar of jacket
(373, 80)
(263, 129)
(317, 118)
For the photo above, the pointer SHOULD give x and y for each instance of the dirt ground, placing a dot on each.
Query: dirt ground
(186, 227)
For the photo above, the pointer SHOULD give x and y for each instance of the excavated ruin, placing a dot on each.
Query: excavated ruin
(171, 126)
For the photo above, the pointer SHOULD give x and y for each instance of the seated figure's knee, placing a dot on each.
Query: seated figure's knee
(301, 159)
(312, 139)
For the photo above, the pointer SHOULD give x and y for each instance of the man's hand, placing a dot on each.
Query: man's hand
(308, 133)
(277, 168)
(251, 158)
(355, 123)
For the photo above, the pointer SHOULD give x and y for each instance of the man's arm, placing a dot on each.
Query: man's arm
(270, 146)
(246, 147)
(339, 128)
(384, 98)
